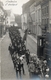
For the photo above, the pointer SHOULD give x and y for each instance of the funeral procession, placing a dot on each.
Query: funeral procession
(25, 39)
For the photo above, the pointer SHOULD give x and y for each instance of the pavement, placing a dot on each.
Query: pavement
(0, 54)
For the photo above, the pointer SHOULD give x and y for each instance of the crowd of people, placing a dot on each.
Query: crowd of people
(38, 67)
(17, 51)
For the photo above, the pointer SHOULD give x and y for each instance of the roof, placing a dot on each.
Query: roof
(38, 3)
(44, 2)
(26, 6)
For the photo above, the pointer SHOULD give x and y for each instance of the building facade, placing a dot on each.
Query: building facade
(10, 19)
(18, 20)
(46, 27)
(45, 15)
(33, 18)
(38, 18)
(2, 20)
(7, 21)
(25, 15)
(35, 11)
(24, 21)
(49, 16)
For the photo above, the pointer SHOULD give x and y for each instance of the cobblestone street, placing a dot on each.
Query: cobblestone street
(7, 68)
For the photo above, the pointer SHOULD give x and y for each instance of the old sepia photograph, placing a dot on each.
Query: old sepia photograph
(25, 39)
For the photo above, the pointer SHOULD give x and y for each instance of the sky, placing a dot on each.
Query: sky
(14, 5)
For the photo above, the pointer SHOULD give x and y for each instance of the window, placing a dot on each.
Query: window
(47, 9)
(43, 21)
(42, 12)
(33, 16)
(7, 21)
(47, 20)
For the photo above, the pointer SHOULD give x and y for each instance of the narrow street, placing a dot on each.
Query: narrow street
(25, 39)
(7, 68)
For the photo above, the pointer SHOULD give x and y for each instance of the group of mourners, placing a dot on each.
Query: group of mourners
(19, 54)
(18, 51)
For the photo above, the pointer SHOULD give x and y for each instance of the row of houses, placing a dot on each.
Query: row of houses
(2, 19)
(10, 19)
(7, 19)
(36, 16)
